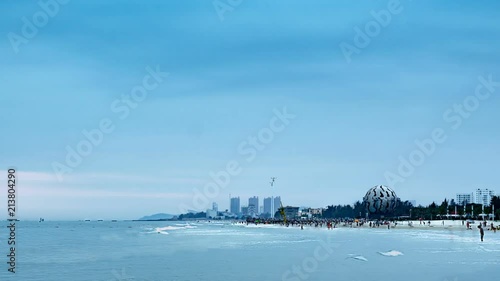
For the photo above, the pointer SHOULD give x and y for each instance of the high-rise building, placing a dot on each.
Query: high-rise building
(215, 207)
(483, 196)
(254, 203)
(276, 205)
(464, 198)
(268, 206)
(244, 211)
(252, 210)
(235, 205)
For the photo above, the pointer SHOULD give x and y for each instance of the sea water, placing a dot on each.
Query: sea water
(191, 251)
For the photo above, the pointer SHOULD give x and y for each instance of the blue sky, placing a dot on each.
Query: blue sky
(352, 120)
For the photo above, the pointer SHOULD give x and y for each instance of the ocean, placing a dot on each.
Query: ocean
(190, 251)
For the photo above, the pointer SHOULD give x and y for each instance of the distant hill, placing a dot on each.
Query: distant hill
(160, 216)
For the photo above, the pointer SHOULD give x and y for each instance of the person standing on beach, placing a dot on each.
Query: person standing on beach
(481, 231)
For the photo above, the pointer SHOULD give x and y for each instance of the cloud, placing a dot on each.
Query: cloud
(142, 179)
(88, 178)
(42, 191)
(32, 176)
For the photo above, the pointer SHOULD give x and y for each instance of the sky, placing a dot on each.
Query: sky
(320, 95)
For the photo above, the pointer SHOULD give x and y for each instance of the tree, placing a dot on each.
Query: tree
(342, 211)
(359, 209)
(192, 216)
(452, 203)
(402, 209)
(495, 201)
(443, 207)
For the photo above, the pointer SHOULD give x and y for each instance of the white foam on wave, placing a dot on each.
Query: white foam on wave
(357, 257)
(163, 230)
(157, 231)
(391, 253)
(174, 227)
(184, 225)
(264, 226)
(482, 248)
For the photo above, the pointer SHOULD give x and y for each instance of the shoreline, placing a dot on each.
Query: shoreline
(413, 224)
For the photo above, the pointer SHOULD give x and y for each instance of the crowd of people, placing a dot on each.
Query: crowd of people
(319, 223)
(348, 222)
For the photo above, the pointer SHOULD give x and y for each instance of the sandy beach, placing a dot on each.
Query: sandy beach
(442, 224)
(414, 224)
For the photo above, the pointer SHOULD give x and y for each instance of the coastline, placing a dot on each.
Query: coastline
(413, 224)
(444, 224)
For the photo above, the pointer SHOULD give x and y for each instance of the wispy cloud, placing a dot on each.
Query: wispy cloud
(44, 191)
(89, 178)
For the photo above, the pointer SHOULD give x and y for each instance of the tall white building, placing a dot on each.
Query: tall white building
(466, 198)
(235, 205)
(215, 207)
(276, 205)
(244, 210)
(483, 196)
(253, 205)
(268, 206)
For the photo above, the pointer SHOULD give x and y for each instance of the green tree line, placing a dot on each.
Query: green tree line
(406, 209)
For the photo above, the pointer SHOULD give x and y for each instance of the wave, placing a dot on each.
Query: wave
(391, 253)
(174, 227)
(157, 231)
(357, 257)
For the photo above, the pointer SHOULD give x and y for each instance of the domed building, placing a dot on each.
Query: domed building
(380, 200)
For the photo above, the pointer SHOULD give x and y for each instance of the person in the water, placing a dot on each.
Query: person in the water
(481, 231)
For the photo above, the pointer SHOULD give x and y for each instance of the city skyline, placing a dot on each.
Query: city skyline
(269, 205)
(479, 196)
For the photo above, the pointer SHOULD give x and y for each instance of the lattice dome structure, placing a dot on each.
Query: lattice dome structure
(380, 199)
